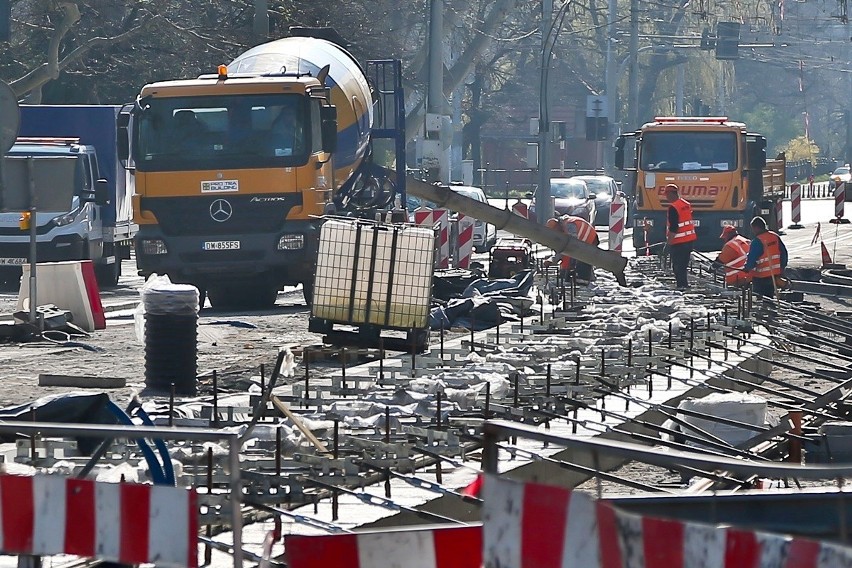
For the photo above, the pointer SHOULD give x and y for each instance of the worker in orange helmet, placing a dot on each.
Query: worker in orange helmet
(582, 230)
(680, 234)
(733, 257)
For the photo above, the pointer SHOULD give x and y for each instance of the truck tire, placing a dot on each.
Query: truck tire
(107, 275)
(308, 292)
(246, 296)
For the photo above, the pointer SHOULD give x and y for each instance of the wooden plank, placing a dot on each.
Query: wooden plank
(81, 381)
(282, 406)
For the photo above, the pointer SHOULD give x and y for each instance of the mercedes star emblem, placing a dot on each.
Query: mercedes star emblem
(221, 210)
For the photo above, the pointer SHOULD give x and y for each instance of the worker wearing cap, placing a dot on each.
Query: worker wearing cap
(680, 234)
(767, 258)
(733, 257)
(582, 230)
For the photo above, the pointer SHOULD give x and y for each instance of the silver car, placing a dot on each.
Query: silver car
(604, 188)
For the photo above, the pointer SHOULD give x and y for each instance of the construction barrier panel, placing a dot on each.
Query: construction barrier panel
(779, 214)
(69, 285)
(118, 522)
(521, 209)
(464, 242)
(452, 547)
(796, 205)
(426, 217)
(528, 525)
(839, 200)
(617, 212)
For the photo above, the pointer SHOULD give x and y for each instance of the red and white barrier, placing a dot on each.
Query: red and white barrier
(69, 285)
(521, 208)
(617, 211)
(839, 199)
(527, 525)
(796, 205)
(646, 229)
(118, 522)
(779, 214)
(452, 547)
(424, 216)
(464, 243)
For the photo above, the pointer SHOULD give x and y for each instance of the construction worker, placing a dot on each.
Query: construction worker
(579, 229)
(680, 234)
(733, 257)
(767, 258)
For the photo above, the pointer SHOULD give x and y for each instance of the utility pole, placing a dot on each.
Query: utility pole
(611, 76)
(633, 78)
(543, 202)
(432, 149)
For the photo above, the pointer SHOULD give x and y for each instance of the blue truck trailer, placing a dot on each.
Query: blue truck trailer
(101, 230)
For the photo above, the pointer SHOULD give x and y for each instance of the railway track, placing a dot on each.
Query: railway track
(396, 439)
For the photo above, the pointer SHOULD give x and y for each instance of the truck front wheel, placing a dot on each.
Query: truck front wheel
(108, 274)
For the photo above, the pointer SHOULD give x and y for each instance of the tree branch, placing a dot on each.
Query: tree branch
(50, 70)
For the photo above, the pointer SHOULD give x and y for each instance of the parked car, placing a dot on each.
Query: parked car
(571, 196)
(604, 188)
(484, 234)
(842, 173)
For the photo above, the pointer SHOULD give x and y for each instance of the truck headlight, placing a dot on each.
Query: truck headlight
(154, 246)
(65, 219)
(293, 241)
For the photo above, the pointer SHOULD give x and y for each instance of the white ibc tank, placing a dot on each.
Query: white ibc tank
(371, 273)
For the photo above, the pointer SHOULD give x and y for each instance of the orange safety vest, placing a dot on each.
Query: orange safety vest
(733, 256)
(579, 229)
(769, 263)
(685, 224)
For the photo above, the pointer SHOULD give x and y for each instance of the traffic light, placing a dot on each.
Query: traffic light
(597, 128)
(727, 40)
(708, 41)
(5, 20)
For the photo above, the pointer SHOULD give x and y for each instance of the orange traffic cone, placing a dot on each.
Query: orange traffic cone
(826, 258)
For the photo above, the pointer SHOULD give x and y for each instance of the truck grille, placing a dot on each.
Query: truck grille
(222, 215)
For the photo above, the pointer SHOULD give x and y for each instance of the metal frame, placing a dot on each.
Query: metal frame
(496, 430)
(133, 432)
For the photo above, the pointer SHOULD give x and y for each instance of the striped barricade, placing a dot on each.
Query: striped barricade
(452, 547)
(426, 217)
(119, 522)
(617, 210)
(527, 525)
(796, 205)
(464, 242)
(839, 202)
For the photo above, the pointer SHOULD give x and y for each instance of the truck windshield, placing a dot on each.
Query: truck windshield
(688, 151)
(222, 132)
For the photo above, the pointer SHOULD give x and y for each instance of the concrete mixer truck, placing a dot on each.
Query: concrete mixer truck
(234, 169)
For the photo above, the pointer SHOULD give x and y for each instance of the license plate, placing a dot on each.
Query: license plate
(221, 245)
(12, 261)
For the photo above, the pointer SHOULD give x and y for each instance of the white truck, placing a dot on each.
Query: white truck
(96, 222)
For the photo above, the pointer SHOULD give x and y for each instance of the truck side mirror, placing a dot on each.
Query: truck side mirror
(619, 153)
(329, 129)
(122, 135)
(101, 192)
